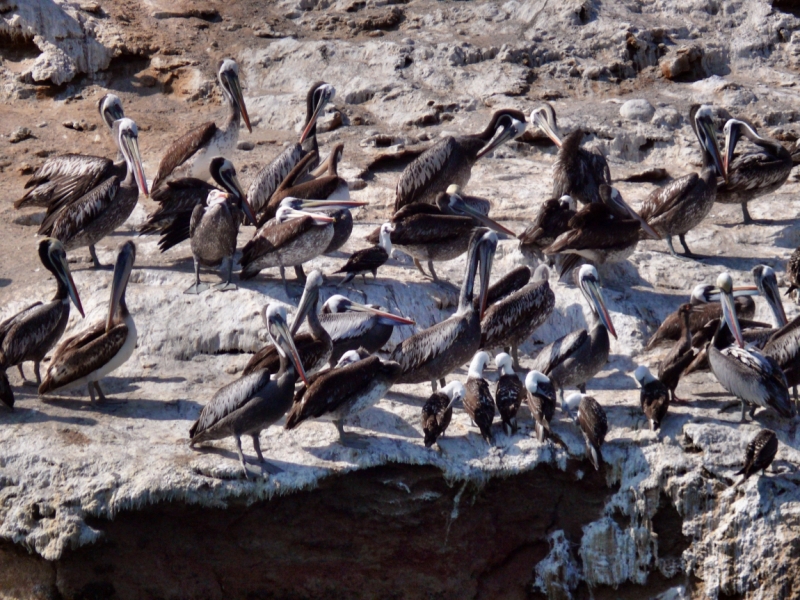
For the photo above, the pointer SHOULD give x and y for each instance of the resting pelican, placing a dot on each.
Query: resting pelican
(85, 358)
(478, 401)
(593, 423)
(508, 393)
(653, 397)
(438, 411)
(760, 453)
(550, 222)
(255, 401)
(541, 401)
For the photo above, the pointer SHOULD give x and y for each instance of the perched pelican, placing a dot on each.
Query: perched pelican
(759, 455)
(31, 333)
(435, 352)
(196, 148)
(508, 393)
(314, 347)
(653, 398)
(793, 271)
(751, 176)
(680, 355)
(478, 401)
(450, 160)
(369, 260)
(541, 400)
(747, 374)
(270, 177)
(98, 213)
(577, 172)
(591, 420)
(575, 358)
(342, 392)
(85, 358)
(512, 320)
(438, 411)
(254, 401)
(682, 205)
(551, 221)
(66, 177)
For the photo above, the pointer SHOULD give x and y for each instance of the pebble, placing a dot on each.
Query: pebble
(637, 110)
(20, 134)
(246, 146)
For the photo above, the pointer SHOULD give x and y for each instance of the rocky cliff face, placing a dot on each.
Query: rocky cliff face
(111, 502)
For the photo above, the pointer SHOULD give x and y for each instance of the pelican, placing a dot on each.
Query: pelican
(591, 420)
(481, 205)
(195, 149)
(270, 177)
(254, 401)
(450, 160)
(513, 281)
(759, 455)
(314, 348)
(747, 374)
(85, 358)
(435, 352)
(31, 333)
(680, 355)
(577, 172)
(98, 213)
(512, 320)
(343, 392)
(66, 177)
(508, 393)
(751, 176)
(352, 326)
(575, 358)
(551, 221)
(682, 205)
(369, 260)
(793, 271)
(438, 411)
(653, 398)
(478, 400)
(541, 401)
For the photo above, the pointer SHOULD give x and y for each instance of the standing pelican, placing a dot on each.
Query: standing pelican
(85, 358)
(369, 260)
(593, 423)
(98, 213)
(435, 352)
(478, 400)
(541, 400)
(682, 205)
(450, 160)
(575, 358)
(759, 455)
(31, 333)
(270, 177)
(577, 172)
(550, 222)
(508, 393)
(197, 147)
(66, 177)
(256, 400)
(751, 176)
(438, 411)
(653, 398)
(747, 374)
(680, 355)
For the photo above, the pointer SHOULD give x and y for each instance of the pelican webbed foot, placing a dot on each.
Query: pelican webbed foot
(747, 219)
(675, 254)
(350, 440)
(421, 270)
(266, 466)
(226, 286)
(96, 261)
(196, 288)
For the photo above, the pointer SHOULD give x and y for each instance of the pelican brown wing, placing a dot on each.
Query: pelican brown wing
(61, 179)
(182, 150)
(67, 223)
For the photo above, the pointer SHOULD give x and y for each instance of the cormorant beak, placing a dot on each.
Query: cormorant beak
(712, 147)
(283, 340)
(483, 219)
(732, 136)
(62, 266)
(356, 307)
(132, 146)
(596, 297)
(236, 91)
(307, 301)
(540, 120)
(323, 101)
(503, 134)
(486, 257)
(729, 315)
(119, 281)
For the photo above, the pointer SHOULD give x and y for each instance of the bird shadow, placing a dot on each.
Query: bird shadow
(739, 263)
(788, 237)
(4, 282)
(22, 414)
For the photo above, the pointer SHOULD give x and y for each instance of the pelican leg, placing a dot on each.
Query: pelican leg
(267, 466)
(100, 393)
(744, 406)
(21, 372)
(348, 439)
(746, 214)
(688, 253)
(515, 355)
(672, 249)
(419, 266)
(91, 394)
(433, 385)
(227, 286)
(442, 382)
(300, 274)
(433, 273)
(197, 287)
(364, 278)
(36, 364)
(95, 260)
(241, 454)
(582, 388)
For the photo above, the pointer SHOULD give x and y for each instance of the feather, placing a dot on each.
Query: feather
(182, 150)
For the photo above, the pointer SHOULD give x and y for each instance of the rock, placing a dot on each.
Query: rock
(330, 121)
(245, 145)
(20, 134)
(81, 125)
(637, 110)
(684, 63)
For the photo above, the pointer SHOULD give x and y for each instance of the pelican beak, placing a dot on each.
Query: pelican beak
(540, 120)
(295, 214)
(713, 294)
(731, 139)
(306, 304)
(311, 205)
(647, 229)
(503, 134)
(483, 219)
(116, 113)
(236, 92)
(486, 255)
(773, 297)
(729, 314)
(132, 145)
(284, 341)
(62, 266)
(323, 101)
(119, 281)
(356, 307)
(712, 147)
(600, 306)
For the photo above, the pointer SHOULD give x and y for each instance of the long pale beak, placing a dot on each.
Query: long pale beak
(356, 307)
(316, 216)
(116, 113)
(138, 170)
(317, 112)
(66, 276)
(541, 122)
(729, 314)
(501, 137)
(486, 258)
(731, 139)
(236, 90)
(773, 297)
(597, 299)
(306, 304)
(286, 343)
(483, 219)
(741, 290)
(712, 147)
(311, 205)
(122, 271)
(647, 229)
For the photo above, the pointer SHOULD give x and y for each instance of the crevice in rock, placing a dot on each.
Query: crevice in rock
(16, 46)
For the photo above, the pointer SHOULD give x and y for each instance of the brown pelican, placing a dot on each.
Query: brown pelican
(342, 392)
(314, 348)
(64, 178)
(551, 221)
(577, 172)
(369, 260)
(256, 400)
(90, 218)
(682, 205)
(478, 401)
(435, 352)
(450, 160)
(751, 176)
(438, 411)
(196, 148)
(508, 393)
(541, 400)
(793, 271)
(509, 283)
(512, 320)
(352, 326)
(31, 333)
(653, 398)
(747, 374)
(481, 205)
(680, 356)
(759, 455)
(591, 420)
(270, 177)
(85, 358)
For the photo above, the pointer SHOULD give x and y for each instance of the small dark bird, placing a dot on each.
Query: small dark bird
(438, 411)
(592, 421)
(478, 400)
(508, 393)
(759, 454)
(654, 396)
(369, 260)
(680, 356)
(541, 400)
(793, 271)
